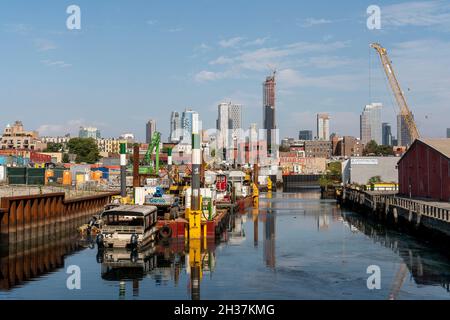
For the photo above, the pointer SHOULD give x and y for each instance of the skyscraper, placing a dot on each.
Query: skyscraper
(370, 124)
(403, 135)
(269, 122)
(235, 116)
(186, 125)
(223, 124)
(175, 127)
(229, 121)
(323, 126)
(387, 134)
(305, 135)
(448, 133)
(150, 129)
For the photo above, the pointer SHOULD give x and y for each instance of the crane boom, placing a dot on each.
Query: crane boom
(405, 112)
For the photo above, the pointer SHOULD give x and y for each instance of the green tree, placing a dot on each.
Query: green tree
(85, 149)
(372, 148)
(54, 147)
(65, 158)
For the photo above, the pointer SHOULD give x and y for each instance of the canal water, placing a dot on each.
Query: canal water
(295, 246)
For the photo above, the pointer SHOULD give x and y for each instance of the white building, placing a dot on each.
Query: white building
(370, 124)
(175, 127)
(323, 126)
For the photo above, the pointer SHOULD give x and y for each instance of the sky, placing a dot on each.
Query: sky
(135, 60)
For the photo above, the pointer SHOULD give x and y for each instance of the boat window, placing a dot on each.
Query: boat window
(123, 220)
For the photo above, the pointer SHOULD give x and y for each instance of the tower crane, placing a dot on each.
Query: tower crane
(405, 112)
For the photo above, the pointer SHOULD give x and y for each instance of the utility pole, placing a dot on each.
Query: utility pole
(123, 169)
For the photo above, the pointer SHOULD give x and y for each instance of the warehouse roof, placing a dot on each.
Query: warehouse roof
(440, 145)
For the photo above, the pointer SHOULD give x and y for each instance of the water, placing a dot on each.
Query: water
(295, 247)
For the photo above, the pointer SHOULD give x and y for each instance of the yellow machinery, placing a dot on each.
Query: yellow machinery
(122, 200)
(405, 112)
(269, 184)
(255, 195)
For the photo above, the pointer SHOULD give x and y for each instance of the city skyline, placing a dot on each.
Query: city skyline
(318, 70)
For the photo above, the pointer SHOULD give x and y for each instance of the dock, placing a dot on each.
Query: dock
(416, 214)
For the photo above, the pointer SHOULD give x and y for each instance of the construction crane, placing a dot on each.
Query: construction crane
(150, 167)
(405, 112)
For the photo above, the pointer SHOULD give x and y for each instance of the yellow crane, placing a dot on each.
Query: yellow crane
(405, 112)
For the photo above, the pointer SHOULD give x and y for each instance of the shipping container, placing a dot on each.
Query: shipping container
(35, 176)
(17, 175)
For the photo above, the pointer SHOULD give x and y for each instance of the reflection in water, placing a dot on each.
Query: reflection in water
(427, 267)
(269, 235)
(31, 259)
(309, 256)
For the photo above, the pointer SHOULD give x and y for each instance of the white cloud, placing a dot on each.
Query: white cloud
(221, 60)
(418, 13)
(19, 28)
(204, 75)
(176, 29)
(44, 45)
(229, 43)
(311, 22)
(151, 22)
(61, 64)
(256, 42)
(270, 57)
(289, 78)
(70, 126)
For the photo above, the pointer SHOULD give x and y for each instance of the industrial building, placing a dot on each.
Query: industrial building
(424, 170)
(359, 170)
(318, 149)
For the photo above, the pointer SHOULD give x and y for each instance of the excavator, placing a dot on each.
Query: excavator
(404, 111)
(150, 167)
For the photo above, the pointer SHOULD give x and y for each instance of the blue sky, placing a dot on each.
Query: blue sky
(136, 60)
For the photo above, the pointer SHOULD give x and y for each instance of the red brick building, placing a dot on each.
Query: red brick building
(424, 170)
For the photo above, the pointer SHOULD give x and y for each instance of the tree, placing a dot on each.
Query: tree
(65, 158)
(372, 148)
(54, 147)
(85, 149)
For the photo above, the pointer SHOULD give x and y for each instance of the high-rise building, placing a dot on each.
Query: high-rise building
(305, 135)
(223, 124)
(269, 120)
(370, 124)
(229, 123)
(235, 115)
(323, 126)
(150, 129)
(448, 133)
(387, 134)
(403, 135)
(186, 125)
(175, 127)
(89, 132)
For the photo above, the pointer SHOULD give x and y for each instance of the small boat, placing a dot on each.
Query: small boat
(128, 226)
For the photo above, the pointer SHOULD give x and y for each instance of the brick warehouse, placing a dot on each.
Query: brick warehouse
(424, 170)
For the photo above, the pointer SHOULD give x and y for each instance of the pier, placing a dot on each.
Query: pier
(416, 214)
